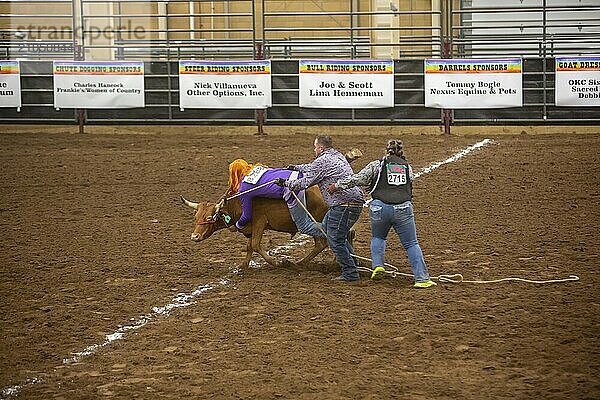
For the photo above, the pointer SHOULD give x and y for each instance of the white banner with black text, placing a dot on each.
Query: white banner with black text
(346, 83)
(98, 84)
(225, 84)
(470, 83)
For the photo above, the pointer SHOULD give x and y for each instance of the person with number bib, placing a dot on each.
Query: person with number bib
(390, 182)
(244, 176)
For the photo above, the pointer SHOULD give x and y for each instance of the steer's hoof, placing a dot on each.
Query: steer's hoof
(242, 266)
(286, 264)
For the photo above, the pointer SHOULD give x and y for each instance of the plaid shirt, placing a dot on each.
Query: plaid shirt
(367, 177)
(328, 168)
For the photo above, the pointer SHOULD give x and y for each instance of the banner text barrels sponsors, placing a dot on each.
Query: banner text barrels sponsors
(469, 83)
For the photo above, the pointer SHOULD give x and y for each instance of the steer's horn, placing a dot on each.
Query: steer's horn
(189, 203)
(219, 205)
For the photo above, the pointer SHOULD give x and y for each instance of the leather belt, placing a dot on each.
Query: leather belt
(351, 205)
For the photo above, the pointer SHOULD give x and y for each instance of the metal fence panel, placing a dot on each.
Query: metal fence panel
(162, 101)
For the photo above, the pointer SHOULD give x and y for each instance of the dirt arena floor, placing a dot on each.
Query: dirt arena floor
(103, 295)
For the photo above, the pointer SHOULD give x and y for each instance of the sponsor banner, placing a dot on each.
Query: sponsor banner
(98, 84)
(577, 81)
(10, 84)
(225, 84)
(470, 83)
(346, 83)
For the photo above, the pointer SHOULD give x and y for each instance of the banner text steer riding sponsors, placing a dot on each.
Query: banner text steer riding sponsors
(98, 84)
(346, 83)
(10, 84)
(225, 84)
(469, 83)
(577, 81)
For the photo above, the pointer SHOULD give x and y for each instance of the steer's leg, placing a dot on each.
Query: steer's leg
(320, 244)
(249, 251)
(258, 228)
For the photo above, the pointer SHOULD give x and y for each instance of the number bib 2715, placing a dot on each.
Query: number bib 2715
(396, 174)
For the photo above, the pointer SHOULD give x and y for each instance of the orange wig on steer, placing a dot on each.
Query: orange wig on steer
(237, 170)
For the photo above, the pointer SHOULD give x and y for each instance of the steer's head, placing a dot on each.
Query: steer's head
(209, 218)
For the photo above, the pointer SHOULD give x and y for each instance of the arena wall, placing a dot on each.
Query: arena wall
(162, 102)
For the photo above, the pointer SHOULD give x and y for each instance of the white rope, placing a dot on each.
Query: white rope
(458, 278)
(445, 278)
(250, 190)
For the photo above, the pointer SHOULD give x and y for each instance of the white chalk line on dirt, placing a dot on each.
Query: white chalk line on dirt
(187, 299)
(179, 301)
(456, 157)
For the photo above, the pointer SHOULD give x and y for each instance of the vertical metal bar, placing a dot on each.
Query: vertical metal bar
(254, 29)
(227, 20)
(447, 53)
(120, 52)
(544, 69)
(82, 28)
(192, 22)
(212, 20)
(259, 55)
(169, 69)
(263, 37)
(119, 31)
(352, 47)
(166, 26)
(449, 30)
(78, 54)
(74, 26)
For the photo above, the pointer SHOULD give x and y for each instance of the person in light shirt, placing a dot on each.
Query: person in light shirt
(344, 206)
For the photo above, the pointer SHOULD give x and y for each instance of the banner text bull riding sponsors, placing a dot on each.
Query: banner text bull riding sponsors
(346, 83)
(94, 84)
(10, 84)
(225, 84)
(469, 83)
(577, 81)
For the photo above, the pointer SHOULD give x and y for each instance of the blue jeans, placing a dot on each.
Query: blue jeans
(401, 217)
(303, 222)
(337, 223)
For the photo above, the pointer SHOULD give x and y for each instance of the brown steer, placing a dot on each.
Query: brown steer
(267, 213)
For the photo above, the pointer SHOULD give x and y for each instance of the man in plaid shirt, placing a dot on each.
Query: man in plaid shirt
(345, 206)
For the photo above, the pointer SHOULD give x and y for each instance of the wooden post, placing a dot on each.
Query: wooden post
(78, 56)
(81, 119)
(260, 114)
(446, 113)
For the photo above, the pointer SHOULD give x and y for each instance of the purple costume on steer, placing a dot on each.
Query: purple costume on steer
(271, 191)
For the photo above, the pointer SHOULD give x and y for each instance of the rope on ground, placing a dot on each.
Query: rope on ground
(445, 278)
(458, 278)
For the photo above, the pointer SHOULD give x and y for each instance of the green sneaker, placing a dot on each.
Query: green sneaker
(378, 273)
(426, 284)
